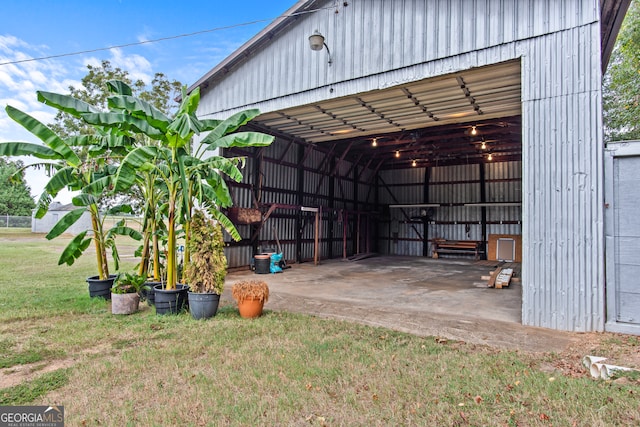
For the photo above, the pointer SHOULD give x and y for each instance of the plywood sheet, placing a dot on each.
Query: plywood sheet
(492, 246)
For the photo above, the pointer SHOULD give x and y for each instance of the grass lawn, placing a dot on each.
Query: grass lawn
(58, 346)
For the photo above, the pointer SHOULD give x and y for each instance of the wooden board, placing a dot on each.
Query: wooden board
(492, 279)
(493, 243)
(503, 278)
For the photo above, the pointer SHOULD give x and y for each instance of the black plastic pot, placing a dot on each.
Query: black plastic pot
(262, 263)
(203, 306)
(170, 301)
(100, 288)
(150, 294)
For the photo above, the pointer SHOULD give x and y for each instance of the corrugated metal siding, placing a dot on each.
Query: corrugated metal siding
(446, 28)
(563, 254)
(559, 43)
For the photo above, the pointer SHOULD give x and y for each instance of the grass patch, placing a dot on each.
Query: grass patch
(12, 354)
(280, 369)
(29, 392)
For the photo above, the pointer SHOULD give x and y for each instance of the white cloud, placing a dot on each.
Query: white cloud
(20, 81)
(138, 67)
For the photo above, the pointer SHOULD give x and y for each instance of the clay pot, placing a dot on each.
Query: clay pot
(250, 308)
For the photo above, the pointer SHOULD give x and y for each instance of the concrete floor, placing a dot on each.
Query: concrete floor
(419, 295)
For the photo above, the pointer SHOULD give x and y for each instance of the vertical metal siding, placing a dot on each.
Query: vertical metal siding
(400, 33)
(563, 254)
(559, 42)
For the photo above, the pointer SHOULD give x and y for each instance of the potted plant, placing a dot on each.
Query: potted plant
(83, 163)
(125, 293)
(207, 267)
(250, 296)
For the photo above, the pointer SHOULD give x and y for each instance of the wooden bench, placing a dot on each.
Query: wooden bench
(467, 247)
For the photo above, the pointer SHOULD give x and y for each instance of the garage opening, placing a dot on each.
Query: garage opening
(430, 169)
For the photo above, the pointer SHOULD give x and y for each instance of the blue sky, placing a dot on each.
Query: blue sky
(40, 28)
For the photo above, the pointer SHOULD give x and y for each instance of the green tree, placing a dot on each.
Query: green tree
(622, 81)
(15, 195)
(162, 94)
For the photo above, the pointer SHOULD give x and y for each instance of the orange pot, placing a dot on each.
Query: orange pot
(250, 308)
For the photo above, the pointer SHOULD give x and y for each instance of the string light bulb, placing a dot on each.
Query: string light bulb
(397, 153)
(414, 163)
(483, 146)
(490, 157)
(474, 131)
(375, 142)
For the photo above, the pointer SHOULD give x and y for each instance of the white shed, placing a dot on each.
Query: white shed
(53, 215)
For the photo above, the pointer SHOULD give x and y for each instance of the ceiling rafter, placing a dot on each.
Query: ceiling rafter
(467, 93)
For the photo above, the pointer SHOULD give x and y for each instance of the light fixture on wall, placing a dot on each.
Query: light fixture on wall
(397, 153)
(316, 42)
(474, 131)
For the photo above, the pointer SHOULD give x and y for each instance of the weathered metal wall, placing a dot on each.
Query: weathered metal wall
(450, 187)
(563, 242)
(370, 37)
(271, 175)
(504, 185)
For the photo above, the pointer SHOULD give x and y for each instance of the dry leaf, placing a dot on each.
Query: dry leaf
(544, 417)
(478, 399)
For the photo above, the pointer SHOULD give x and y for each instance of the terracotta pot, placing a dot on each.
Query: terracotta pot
(250, 308)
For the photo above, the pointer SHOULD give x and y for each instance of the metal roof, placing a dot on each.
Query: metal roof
(429, 121)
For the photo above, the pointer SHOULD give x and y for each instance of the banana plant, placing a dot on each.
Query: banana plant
(187, 178)
(80, 163)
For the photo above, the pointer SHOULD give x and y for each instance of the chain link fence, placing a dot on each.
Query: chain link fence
(12, 221)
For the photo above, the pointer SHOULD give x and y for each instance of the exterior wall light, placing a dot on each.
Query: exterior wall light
(316, 42)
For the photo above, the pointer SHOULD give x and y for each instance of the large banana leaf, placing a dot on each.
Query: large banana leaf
(102, 141)
(45, 134)
(120, 209)
(66, 103)
(228, 166)
(216, 191)
(74, 249)
(140, 109)
(226, 224)
(65, 222)
(137, 159)
(189, 103)
(209, 124)
(123, 230)
(42, 205)
(123, 122)
(84, 200)
(66, 177)
(241, 139)
(28, 149)
(119, 87)
(231, 124)
(181, 129)
(98, 185)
